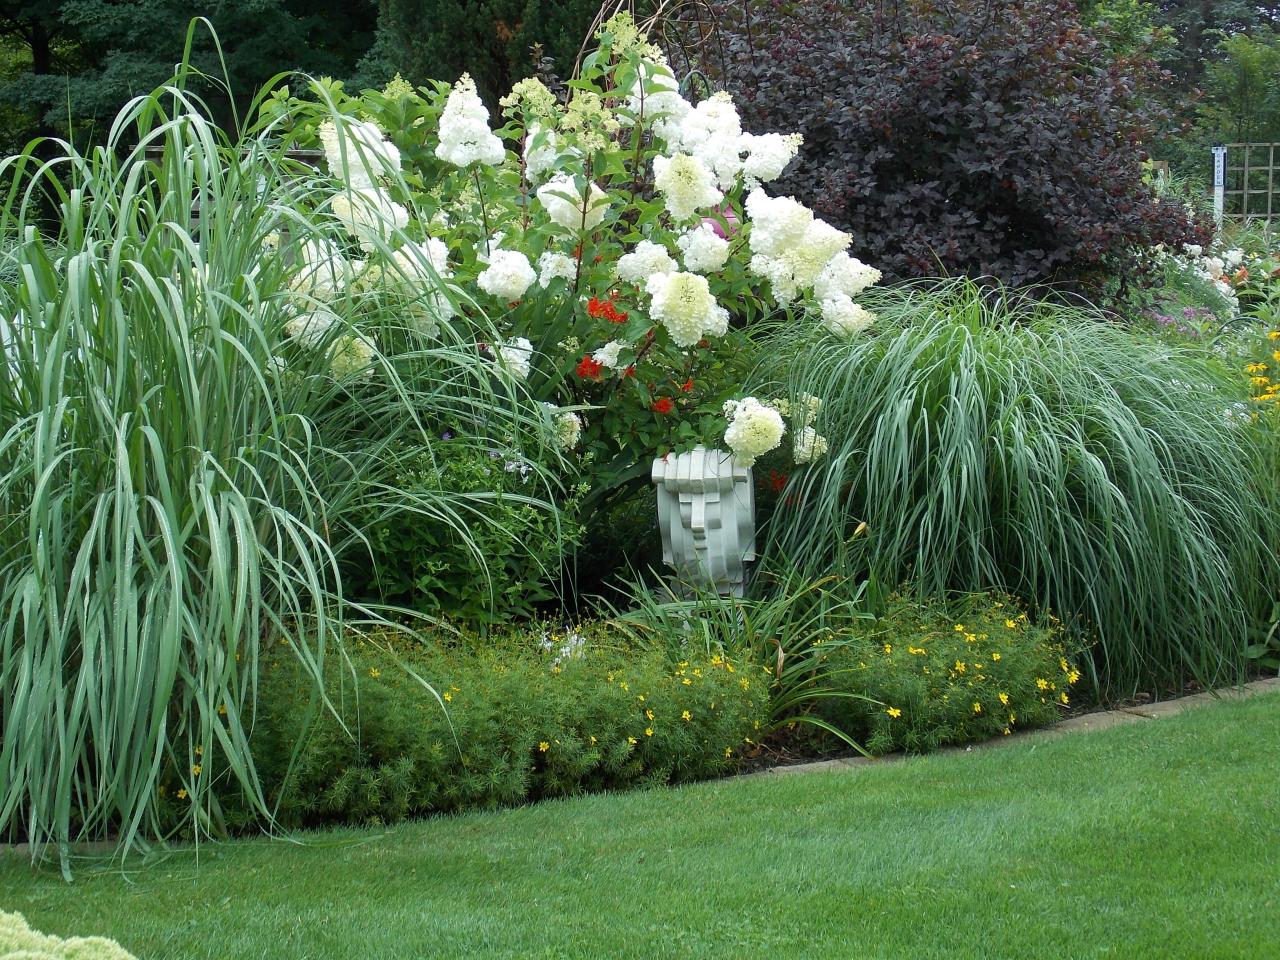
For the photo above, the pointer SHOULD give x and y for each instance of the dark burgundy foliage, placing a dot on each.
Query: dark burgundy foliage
(985, 137)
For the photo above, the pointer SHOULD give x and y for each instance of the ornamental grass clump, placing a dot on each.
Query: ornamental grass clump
(992, 442)
(191, 413)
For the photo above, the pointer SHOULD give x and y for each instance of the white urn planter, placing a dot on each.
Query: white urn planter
(706, 510)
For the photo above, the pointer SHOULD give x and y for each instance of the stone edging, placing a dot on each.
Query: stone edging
(1083, 723)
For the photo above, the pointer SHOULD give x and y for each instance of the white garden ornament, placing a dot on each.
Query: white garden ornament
(706, 510)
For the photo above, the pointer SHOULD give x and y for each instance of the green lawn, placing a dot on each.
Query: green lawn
(1159, 839)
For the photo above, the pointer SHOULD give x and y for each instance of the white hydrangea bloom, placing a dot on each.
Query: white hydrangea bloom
(1233, 258)
(368, 215)
(323, 272)
(351, 356)
(648, 258)
(542, 151)
(607, 356)
(767, 156)
(660, 106)
(424, 267)
(565, 203)
(754, 429)
(809, 446)
(804, 409)
(789, 246)
(555, 266)
(514, 356)
(686, 184)
(844, 276)
(508, 275)
(465, 137)
(359, 154)
(567, 426)
(312, 327)
(704, 250)
(683, 304)
(844, 318)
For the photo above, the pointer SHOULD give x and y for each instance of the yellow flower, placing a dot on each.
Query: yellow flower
(625, 688)
(1274, 335)
(1063, 697)
(199, 751)
(959, 628)
(1004, 699)
(648, 731)
(996, 656)
(1013, 718)
(375, 672)
(728, 752)
(1010, 624)
(1042, 684)
(543, 746)
(1073, 676)
(686, 715)
(222, 709)
(448, 697)
(960, 667)
(888, 648)
(195, 769)
(917, 651)
(687, 682)
(182, 794)
(593, 739)
(970, 638)
(631, 740)
(894, 712)
(977, 707)
(1005, 731)
(648, 714)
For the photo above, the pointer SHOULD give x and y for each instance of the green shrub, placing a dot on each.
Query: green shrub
(496, 557)
(540, 713)
(995, 443)
(935, 674)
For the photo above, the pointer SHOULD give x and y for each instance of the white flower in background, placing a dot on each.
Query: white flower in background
(465, 137)
(369, 214)
(1233, 258)
(542, 151)
(704, 250)
(323, 272)
(508, 275)
(555, 266)
(565, 203)
(644, 261)
(1214, 267)
(360, 154)
(514, 356)
(844, 318)
(312, 327)
(789, 246)
(767, 156)
(567, 426)
(809, 446)
(683, 304)
(607, 356)
(424, 267)
(686, 184)
(754, 429)
(351, 356)
(712, 131)
(658, 104)
(1193, 249)
(572, 648)
(804, 409)
(844, 276)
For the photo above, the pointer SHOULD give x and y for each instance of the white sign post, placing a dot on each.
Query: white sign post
(1219, 182)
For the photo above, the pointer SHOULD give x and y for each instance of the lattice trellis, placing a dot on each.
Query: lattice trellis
(1251, 182)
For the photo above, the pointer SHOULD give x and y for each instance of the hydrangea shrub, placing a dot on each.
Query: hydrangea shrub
(620, 243)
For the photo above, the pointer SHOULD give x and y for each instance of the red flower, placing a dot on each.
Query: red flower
(589, 369)
(687, 386)
(777, 481)
(605, 310)
(630, 371)
(663, 405)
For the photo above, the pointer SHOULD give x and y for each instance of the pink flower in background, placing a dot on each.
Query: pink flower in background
(730, 221)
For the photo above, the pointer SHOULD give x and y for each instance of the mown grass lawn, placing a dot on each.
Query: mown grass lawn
(1159, 839)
